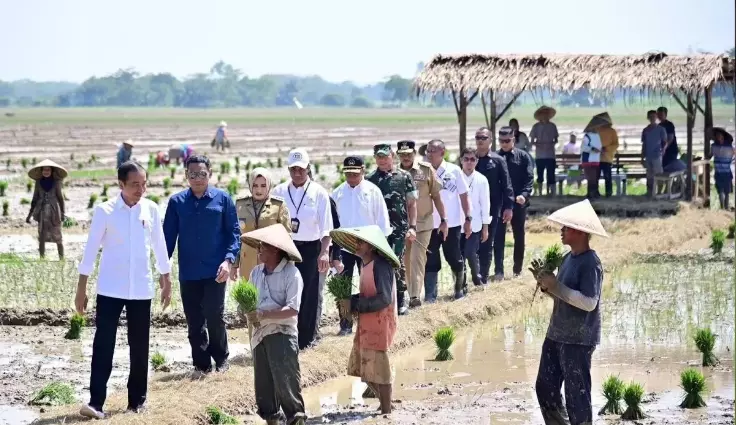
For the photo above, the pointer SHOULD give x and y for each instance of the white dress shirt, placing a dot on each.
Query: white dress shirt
(314, 213)
(453, 185)
(361, 205)
(479, 195)
(127, 235)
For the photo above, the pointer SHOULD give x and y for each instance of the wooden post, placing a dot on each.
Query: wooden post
(492, 106)
(690, 123)
(462, 120)
(707, 133)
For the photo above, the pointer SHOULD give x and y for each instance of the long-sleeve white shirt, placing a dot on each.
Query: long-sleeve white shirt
(453, 185)
(127, 236)
(479, 196)
(361, 205)
(310, 205)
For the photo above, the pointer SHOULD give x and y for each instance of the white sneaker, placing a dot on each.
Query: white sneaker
(90, 412)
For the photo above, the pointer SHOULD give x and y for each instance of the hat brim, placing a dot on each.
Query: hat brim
(274, 235)
(300, 164)
(605, 117)
(352, 170)
(405, 151)
(382, 153)
(579, 216)
(36, 173)
(348, 238)
(595, 123)
(727, 137)
(545, 111)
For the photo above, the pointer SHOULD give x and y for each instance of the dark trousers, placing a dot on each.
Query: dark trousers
(309, 307)
(204, 309)
(399, 245)
(591, 177)
(278, 378)
(605, 171)
(450, 248)
(568, 363)
(107, 316)
(517, 228)
(485, 250)
(351, 262)
(547, 165)
(469, 248)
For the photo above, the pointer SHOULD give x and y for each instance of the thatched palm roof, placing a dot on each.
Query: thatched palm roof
(562, 73)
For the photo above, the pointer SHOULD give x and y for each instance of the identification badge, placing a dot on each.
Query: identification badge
(242, 224)
(294, 225)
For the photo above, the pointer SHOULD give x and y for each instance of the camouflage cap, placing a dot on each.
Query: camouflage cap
(382, 149)
(405, 146)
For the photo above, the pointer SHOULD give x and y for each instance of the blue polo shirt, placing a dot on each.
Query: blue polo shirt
(207, 230)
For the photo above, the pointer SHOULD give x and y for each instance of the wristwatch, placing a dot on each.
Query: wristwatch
(443, 220)
(468, 218)
(413, 227)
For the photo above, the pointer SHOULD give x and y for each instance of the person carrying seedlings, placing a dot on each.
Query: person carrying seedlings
(204, 221)
(359, 203)
(723, 158)
(376, 306)
(47, 205)
(258, 210)
(220, 141)
(125, 152)
(575, 326)
(275, 341)
(127, 228)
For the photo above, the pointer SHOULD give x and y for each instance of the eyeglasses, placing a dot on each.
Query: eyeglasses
(469, 159)
(194, 175)
(482, 137)
(505, 141)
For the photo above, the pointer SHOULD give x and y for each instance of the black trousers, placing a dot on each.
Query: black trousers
(517, 228)
(107, 317)
(568, 363)
(450, 248)
(278, 378)
(204, 309)
(605, 171)
(549, 165)
(310, 294)
(485, 250)
(351, 263)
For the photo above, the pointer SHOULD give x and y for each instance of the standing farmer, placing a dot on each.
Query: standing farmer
(609, 143)
(204, 220)
(220, 141)
(47, 205)
(575, 326)
(376, 308)
(127, 228)
(400, 195)
(544, 137)
(125, 152)
(275, 341)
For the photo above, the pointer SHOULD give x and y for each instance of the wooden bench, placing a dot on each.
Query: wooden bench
(629, 164)
(669, 185)
(570, 172)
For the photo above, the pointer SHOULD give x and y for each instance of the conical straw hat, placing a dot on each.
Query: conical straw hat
(348, 239)
(274, 235)
(595, 123)
(579, 216)
(604, 116)
(727, 138)
(547, 111)
(129, 142)
(36, 172)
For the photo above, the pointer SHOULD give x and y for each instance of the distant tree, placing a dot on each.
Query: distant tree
(397, 89)
(361, 102)
(333, 100)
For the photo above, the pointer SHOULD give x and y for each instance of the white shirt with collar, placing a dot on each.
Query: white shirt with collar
(453, 185)
(127, 236)
(361, 205)
(479, 195)
(314, 214)
(281, 288)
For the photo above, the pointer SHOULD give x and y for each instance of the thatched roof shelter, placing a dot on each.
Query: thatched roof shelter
(563, 73)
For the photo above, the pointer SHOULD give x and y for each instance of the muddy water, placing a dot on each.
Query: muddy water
(649, 315)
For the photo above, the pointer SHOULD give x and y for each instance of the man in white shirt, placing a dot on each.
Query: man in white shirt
(127, 228)
(480, 203)
(311, 223)
(454, 195)
(359, 203)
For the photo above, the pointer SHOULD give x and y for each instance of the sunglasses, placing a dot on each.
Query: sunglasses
(482, 137)
(469, 159)
(504, 141)
(194, 175)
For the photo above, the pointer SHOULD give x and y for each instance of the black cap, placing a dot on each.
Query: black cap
(405, 146)
(506, 131)
(352, 164)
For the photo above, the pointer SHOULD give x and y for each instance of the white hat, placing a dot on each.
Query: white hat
(223, 124)
(129, 142)
(298, 158)
(580, 216)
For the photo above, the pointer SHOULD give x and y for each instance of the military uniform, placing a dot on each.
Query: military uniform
(397, 187)
(274, 210)
(428, 187)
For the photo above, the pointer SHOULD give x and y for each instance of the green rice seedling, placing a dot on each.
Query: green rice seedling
(549, 263)
(216, 416)
(693, 383)
(282, 180)
(104, 189)
(246, 295)
(338, 168)
(705, 340)
(731, 230)
(219, 178)
(633, 395)
(24, 162)
(92, 200)
(7, 163)
(54, 394)
(69, 222)
(316, 168)
(279, 162)
(322, 177)
(248, 165)
(269, 163)
(443, 338)
(167, 182)
(6, 206)
(25, 201)
(103, 199)
(613, 391)
(237, 161)
(76, 323)
(717, 240)
(153, 197)
(80, 165)
(34, 161)
(225, 168)
(341, 289)
(71, 157)
(172, 171)
(3, 187)
(232, 187)
(167, 193)
(158, 361)
(339, 181)
(29, 186)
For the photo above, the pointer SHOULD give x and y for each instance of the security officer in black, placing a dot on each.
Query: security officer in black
(521, 172)
(494, 168)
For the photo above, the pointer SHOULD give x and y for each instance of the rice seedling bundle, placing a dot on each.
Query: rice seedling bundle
(216, 416)
(246, 295)
(705, 340)
(550, 261)
(92, 200)
(633, 395)
(158, 361)
(444, 339)
(731, 230)
(76, 323)
(6, 206)
(341, 288)
(29, 185)
(3, 187)
(693, 383)
(613, 391)
(54, 394)
(717, 240)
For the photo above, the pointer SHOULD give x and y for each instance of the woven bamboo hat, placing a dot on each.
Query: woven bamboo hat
(56, 170)
(604, 116)
(274, 235)
(545, 111)
(129, 142)
(580, 216)
(348, 239)
(727, 138)
(595, 123)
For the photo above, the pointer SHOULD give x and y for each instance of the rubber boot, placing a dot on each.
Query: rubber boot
(273, 422)
(42, 249)
(430, 286)
(60, 248)
(459, 278)
(551, 189)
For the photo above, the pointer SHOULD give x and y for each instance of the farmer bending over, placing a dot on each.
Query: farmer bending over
(376, 308)
(575, 327)
(275, 341)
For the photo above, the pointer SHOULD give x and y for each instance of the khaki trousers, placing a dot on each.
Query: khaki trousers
(417, 259)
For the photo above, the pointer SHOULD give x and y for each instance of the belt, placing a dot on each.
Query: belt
(302, 243)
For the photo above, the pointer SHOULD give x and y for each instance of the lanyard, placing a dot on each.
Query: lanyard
(439, 176)
(298, 207)
(257, 214)
(470, 185)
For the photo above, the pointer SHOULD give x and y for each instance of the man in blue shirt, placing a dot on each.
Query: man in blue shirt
(204, 220)
(671, 150)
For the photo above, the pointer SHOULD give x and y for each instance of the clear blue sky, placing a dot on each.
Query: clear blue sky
(336, 39)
